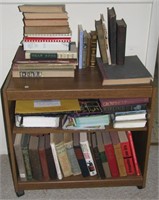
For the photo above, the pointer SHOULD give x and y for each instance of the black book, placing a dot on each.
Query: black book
(112, 33)
(132, 72)
(49, 158)
(121, 28)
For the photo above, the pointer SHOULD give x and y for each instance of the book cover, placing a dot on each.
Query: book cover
(62, 156)
(79, 155)
(101, 41)
(126, 152)
(46, 22)
(121, 29)
(131, 142)
(130, 123)
(122, 101)
(53, 141)
(34, 158)
(19, 157)
(25, 150)
(43, 159)
(41, 8)
(80, 45)
(87, 153)
(96, 155)
(34, 15)
(68, 142)
(132, 72)
(111, 17)
(109, 151)
(47, 29)
(49, 158)
(102, 154)
(118, 153)
(46, 106)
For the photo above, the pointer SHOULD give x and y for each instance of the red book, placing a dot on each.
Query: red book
(126, 152)
(109, 151)
(43, 159)
(129, 134)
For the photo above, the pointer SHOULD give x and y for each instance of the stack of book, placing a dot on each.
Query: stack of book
(126, 112)
(47, 49)
(55, 156)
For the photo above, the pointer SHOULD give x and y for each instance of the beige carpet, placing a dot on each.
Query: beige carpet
(113, 193)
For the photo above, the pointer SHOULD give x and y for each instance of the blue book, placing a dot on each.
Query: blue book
(80, 46)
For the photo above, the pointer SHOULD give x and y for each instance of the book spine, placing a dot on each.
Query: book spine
(84, 51)
(129, 134)
(47, 39)
(20, 162)
(105, 164)
(81, 161)
(73, 159)
(57, 165)
(123, 101)
(93, 49)
(121, 43)
(109, 150)
(80, 47)
(129, 165)
(44, 165)
(63, 159)
(112, 109)
(88, 158)
(25, 152)
(45, 46)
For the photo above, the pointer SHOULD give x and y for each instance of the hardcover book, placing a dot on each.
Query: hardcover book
(87, 153)
(111, 16)
(126, 152)
(25, 151)
(132, 72)
(96, 155)
(19, 157)
(68, 142)
(43, 159)
(79, 155)
(54, 139)
(62, 156)
(49, 158)
(34, 158)
(80, 45)
(118, 153)
(131, 142)
(93, 48)
(102, 154)
(34, 15)
(46, 22)
(110, 153)
(121, 41)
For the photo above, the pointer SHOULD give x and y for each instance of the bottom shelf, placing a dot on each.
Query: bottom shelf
(80, 182)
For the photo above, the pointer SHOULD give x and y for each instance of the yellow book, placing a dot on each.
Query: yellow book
(46, 106)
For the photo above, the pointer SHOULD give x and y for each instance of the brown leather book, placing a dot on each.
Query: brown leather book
(34, 158)
(43, 160)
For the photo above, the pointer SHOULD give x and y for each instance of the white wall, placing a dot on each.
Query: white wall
(140, 16)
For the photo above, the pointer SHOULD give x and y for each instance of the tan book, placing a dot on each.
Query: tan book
(47, 30)
(41, 8)
(57, 15)
(118, 153)
(62, 155)
(46, 22)
(68, 142)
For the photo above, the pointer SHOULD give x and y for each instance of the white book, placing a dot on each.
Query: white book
(130, 124)
(36, 121)
(130, 115)
(45, 46)
(87, 153)
(54, 152)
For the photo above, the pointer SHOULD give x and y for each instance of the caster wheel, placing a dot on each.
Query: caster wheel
(20, 193)
(140, 187)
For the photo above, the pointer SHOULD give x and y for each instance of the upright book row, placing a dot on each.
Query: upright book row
(57, 155)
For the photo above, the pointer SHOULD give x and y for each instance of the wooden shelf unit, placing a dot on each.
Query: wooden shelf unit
(86, 84)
